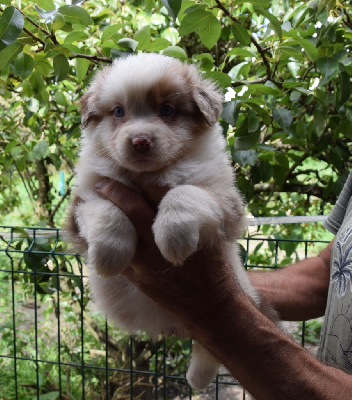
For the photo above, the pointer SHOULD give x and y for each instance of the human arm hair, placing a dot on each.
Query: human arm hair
(297, 292)
(205, 297)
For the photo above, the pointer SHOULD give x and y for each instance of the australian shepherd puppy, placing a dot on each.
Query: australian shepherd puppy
(151, 118)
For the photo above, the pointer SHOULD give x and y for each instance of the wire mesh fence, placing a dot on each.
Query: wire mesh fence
(54, 344)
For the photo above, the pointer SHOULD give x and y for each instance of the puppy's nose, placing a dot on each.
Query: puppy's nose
(141, 143)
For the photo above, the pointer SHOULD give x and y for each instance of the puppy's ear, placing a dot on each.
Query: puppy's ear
(209, 101)
(87, 110)
(90, 99)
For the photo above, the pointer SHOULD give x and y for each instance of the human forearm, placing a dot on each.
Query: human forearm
(264, 360)
(297, 292)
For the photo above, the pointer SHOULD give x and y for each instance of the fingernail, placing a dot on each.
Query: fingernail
(102, 183)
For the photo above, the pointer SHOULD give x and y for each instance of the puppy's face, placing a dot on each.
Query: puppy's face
(146, 112)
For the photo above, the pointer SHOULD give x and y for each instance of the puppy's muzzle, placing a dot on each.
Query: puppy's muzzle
(141, 143)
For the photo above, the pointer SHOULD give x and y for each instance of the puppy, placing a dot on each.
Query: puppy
(151, 118)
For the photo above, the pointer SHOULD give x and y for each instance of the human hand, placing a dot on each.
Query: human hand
(182, 290)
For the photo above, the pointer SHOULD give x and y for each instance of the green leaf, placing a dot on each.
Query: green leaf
(171, 34)
(116, 53)
(319, 122)
(241, 53)
(210, 31)
(283, 117)
(9, 53)
(263, 171)
(261, 112)
(76, 15)
(241, 34)
(206, 61)
(236, 70)
(230, 113)
(76, 36)
(328, 66)
(60, 98)
(253, 121)
(128, 43)
(257, 88)
(291, 52)
(23, 65)
(176, 52)
(247, 142)
(11, 25)
(310, 49)
(245, 157)
(345, 87)
(345, 127)
(282, 160)
(195, 7)
(193, 21)
(142, 36)
(279, 175)
(173, 7)
(40, 150)
(58, 22)
(69, 50)
(63, 49)
(49, 396)
(222, 79)
(273, 20)
(158, 45)
(260, 3)
(111, 32)
(82, 66)
(61, 67)
(36, 81)
(45, 4)
(43, 66)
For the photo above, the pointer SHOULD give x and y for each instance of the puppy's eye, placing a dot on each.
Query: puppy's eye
(167, 110)
(119, 112)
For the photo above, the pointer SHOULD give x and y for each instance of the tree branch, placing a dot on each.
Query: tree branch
(92, 58)
(37, 39)
(348, 21)
(294, 187)
(46, 33)
(269, 75)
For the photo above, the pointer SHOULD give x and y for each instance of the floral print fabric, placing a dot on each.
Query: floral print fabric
(336, 338)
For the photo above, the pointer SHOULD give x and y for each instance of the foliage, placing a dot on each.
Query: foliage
(285, 67)
(312, 331)
(45, 306)
(47, 314)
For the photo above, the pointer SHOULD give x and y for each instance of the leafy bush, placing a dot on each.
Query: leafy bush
(284, 66)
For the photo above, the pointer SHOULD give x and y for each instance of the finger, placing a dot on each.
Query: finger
(131, 203)
(154, 193)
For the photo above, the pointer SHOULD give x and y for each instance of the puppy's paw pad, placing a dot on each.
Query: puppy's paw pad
(175, 244)
(107, 261)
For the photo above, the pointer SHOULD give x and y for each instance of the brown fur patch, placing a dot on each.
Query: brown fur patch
(71, 228)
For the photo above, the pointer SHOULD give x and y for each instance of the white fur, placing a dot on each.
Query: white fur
(202, 206)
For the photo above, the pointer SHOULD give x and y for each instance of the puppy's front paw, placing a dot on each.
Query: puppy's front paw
(176, 240)
(110, 235)
(109, 261)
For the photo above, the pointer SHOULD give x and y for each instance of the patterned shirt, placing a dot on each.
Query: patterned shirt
(335, 346)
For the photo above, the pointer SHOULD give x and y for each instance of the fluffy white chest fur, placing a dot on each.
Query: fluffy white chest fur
(151, 118)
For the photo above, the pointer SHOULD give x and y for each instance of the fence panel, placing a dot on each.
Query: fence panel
(54, 344)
